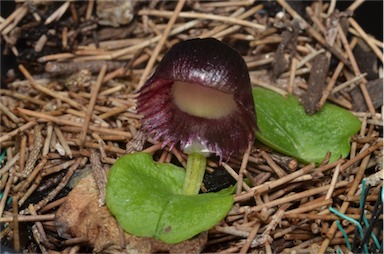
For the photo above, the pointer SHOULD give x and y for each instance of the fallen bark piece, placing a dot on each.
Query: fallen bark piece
(316, 84)
(367, 60)
(375, 90)
(81, 216)
(286, 46)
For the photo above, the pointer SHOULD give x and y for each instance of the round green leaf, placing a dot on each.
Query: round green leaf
(145, 198)
(285, 127)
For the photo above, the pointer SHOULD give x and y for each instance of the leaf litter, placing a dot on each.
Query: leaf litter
(54, 121)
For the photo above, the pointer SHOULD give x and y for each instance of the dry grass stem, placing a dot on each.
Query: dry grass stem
(10, 164)
(30, 190)
(292, 76)
(366, 38)
(308, 208)
(235, 176)
(278, 170)
(15, 217)
(296, 196)
(48, 91)
(57, 14)
(32, 175)
(100, 176)
(22, 97)
(35, 151)
(5, 195)
(230, 20)
(13, 133)
(28, 218)
(16, 17)
(63, 142)
(362, 154)
(7, 112)
(161, 42)
(57, 168)
(39, 228)
(71, 123)
(242, 169)
(356, 70)
(95, 91)
(12, 17)
(273, 184)
(61, 185)
(250, 238)
(345, 205)
(333, 182)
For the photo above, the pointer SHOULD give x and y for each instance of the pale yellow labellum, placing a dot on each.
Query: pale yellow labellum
(202, 101)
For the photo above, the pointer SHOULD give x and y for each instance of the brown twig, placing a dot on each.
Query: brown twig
(5, 195)
(242, 169)
(100, 176)
(273, 184)
(95, 91)
(52, 205)
(361, 155)
(28, 218)
(276, 220)
(23, 147)
(22, 97)
(15, 217)
(161, 42)
(250, 238)
(35, 151)
(308, 208)
(279, 171)
(9, 164)
(333, 182)
(366, 38)
(356, 70)
(31, 176)
(13, 133)
(313, 32)
(17, 13)
(61, 185)
(71, 123)
(234, 21)
(292, 76)
(345, 205)
(7, 112)
(57, 14)
(235, 176)
(296, 196)
(62, 141)
(31, 189)
(48, 91)
(40, 228)
(322, 217)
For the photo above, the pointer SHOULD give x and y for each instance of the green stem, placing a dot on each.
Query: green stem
(194, 174)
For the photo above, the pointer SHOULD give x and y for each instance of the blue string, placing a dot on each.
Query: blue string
(363, 219)
(9, 201)
(382, 195)
(344, 234)
(363, 190)
(333, 210)
(338, 251)
(2, 156)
